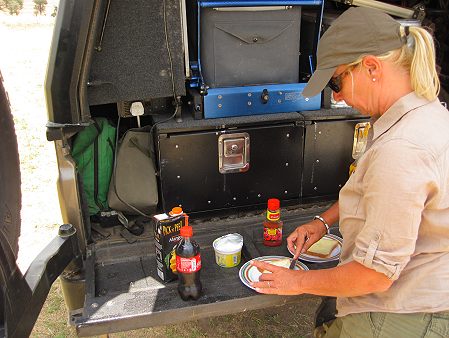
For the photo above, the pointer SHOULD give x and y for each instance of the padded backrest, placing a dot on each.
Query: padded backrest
(133, 63)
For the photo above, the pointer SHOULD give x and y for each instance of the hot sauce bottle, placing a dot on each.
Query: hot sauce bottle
(272, 226)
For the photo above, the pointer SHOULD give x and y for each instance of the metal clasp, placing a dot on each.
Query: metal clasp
(360, 139)
(233, 153)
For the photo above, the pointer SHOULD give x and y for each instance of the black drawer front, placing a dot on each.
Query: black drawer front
(327, 156)
(189, 172)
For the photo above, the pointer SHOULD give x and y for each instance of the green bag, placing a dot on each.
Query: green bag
(93, 152)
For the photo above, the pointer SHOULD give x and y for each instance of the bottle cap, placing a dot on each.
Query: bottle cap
(186, 231)
(273, 204)
(176, 211)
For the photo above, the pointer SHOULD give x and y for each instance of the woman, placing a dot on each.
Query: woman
(393, 213)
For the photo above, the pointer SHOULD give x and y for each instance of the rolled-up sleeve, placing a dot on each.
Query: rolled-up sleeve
(398, 183)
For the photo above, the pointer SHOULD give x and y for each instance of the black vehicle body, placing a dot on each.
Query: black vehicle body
(108, 54)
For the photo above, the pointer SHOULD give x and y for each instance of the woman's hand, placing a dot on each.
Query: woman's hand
(281, 281)
(347, 280)
(304, 236)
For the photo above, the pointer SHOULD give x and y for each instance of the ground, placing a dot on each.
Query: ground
(25, 42)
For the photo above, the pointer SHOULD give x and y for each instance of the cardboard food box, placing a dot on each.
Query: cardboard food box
(166, 236)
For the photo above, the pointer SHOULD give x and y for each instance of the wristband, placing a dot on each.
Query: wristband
(323, 221)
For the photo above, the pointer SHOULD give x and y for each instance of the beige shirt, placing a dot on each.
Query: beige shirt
(394, 210)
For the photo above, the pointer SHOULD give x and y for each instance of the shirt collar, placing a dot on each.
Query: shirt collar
(396, 112)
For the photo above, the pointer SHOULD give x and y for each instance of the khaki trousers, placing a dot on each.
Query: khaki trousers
(386, 325)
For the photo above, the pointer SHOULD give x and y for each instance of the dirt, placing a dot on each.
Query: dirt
(25, 42)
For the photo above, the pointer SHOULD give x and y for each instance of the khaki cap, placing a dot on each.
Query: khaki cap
(358, 31)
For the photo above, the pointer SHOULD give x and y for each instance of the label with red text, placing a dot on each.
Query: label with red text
(191, 264)
(273, 215)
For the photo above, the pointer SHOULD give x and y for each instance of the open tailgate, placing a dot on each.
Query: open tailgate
(123, 291)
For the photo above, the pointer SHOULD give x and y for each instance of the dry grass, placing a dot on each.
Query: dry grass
(52, 321)
(25, 42)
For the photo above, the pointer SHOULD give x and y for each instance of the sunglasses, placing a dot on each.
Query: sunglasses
(335, 82)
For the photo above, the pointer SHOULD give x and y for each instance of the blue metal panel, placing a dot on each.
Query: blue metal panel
(240, 101)
(252, 3)
(195, 78)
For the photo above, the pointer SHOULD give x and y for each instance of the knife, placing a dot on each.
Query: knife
(293, 263)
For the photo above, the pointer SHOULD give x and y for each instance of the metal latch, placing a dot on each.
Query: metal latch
(360, 139)
(233, 153)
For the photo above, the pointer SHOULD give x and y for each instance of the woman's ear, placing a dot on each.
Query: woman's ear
(373, 65)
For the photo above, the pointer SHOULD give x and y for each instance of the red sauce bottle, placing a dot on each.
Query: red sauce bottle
(272, 226)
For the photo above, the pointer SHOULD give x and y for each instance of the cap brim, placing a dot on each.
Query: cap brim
(318, 81)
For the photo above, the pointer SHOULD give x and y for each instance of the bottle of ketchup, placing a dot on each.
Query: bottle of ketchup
(272, 226)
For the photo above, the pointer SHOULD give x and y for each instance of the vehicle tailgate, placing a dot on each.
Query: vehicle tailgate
(124, 292)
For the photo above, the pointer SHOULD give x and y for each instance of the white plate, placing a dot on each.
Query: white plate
(249, 274)
(334, 256)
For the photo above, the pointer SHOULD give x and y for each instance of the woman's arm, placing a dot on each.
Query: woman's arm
(305, 235)
(347, 280)
(331, 215)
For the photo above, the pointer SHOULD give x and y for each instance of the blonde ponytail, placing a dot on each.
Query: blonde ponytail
(417, 56)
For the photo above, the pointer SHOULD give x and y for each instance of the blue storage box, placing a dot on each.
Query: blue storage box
(249, 57)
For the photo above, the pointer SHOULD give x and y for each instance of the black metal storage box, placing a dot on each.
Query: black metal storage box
(249, 46)
(326, 162)
(231, 162)
(236, 162)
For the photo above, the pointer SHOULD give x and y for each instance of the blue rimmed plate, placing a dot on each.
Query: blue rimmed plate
(249, 274)
(334, 256)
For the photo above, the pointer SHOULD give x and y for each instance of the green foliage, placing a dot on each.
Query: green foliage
(39, 7)
(12, 6)
(55, 10)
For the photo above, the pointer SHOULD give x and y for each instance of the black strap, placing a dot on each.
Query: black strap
(97, 202)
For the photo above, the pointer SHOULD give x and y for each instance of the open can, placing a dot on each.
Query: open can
(228, 250)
